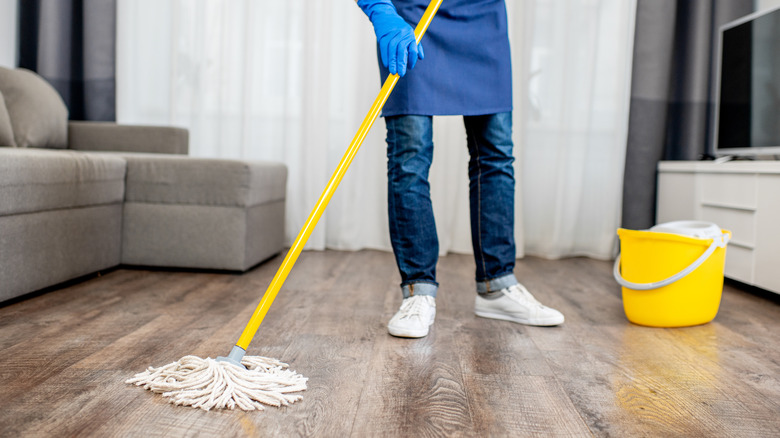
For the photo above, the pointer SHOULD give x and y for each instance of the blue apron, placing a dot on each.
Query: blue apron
(467, 66)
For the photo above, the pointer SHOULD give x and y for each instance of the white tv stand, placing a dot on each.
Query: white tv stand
(740, 196)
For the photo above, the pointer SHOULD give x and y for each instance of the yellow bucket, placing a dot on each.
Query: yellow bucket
(669, 279)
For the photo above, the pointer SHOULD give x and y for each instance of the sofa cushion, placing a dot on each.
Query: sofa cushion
(38, 180)
(113, 137)
(172, 179)
(6, 133)
(38, 115)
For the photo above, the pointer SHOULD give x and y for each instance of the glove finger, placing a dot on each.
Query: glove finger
(391, 61)
(393, 54)
(402, 57)
(420, 53)
(413, 54)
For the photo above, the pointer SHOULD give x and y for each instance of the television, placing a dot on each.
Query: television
(747, 106)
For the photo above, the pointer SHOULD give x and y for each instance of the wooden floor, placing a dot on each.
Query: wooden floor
(65, 354)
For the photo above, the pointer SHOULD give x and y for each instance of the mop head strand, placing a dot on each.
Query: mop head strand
(209, 384)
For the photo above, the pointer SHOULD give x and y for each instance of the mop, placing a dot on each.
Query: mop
(249, 382)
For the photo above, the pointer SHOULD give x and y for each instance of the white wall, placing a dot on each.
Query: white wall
(766, 4)
(8, 33)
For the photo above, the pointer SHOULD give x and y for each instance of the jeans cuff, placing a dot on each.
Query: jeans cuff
(496, 284)
(419, 288)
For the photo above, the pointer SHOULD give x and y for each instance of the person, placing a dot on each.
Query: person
(466, 71)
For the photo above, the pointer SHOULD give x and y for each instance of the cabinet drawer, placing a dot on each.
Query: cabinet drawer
(726, 190)
(739, 264)
(741, 223)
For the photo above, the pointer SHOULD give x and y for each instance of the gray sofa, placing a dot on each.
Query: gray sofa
(80, 197)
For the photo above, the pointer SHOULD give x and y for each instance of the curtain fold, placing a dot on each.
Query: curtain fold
(291, 81)
(71, 43)
(672, 92)
(576, 61)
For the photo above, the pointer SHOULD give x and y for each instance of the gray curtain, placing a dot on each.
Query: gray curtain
(71, 43)
(672, 92)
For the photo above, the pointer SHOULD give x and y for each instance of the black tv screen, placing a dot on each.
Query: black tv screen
(748, 107)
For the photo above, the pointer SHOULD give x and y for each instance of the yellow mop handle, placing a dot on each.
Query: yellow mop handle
(322, 203)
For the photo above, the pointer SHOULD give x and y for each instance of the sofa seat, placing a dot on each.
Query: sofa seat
(175, 179)
(202, 213)
(33, 180)
(60, 216)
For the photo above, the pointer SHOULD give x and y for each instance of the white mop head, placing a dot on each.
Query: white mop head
(207, 383)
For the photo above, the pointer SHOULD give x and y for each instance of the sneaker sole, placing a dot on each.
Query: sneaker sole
(406, 333)
(541, 323)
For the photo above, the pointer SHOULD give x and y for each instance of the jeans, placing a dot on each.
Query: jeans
(491, 194)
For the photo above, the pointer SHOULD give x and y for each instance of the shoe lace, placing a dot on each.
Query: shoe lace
(521, 293)
(413, 306)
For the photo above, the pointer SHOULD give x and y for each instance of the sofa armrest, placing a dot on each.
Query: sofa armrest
(108, 136)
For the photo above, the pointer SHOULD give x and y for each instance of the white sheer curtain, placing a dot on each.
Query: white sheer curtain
(8, 33)
(577, 64)
(291, 81)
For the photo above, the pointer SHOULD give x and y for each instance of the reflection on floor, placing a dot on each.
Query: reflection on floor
(66, 353)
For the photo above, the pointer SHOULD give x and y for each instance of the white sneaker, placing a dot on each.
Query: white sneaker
(516, 304)
(414, 318)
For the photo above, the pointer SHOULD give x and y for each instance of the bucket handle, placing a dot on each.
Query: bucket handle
(716, 243)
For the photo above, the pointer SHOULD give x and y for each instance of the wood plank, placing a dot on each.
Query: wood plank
(666, 382)
(331, 346)
(414, 387)
(522, 406)
(66, 354)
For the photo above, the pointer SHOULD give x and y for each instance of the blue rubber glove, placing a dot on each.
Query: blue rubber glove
(397, 46)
